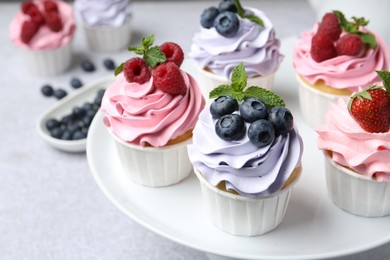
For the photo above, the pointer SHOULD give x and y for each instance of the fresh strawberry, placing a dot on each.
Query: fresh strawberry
(371, 109)
(330, 26)
(50, 6)
(349, 44)
(53, 20)
(29, 29)
(167, 77)
(136, 70)
(322, 48)
(173, 52)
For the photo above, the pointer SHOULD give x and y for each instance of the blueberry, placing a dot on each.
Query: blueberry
(208, 16)
(91, 112)
(66, 135)
(56, 132)
(227, 5)
(282, 119)
(52, 123)
(87, 120)
(47, 90)
(101, 92)
(223, 105)
(98, 101)
(76, 83)
(87, 106)
(78, 135)
(227, 24)
(84, 131)
(87, 66)
(253, 109)
(67, 119)
(73, 127)
(60, 93)
(109, 64)
(261, 133)
(230, 127)
(78, 112)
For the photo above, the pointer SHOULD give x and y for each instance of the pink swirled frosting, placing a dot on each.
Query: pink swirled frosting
(366, 153)
(255, 46)
(45, 38)
(141, 113)
(245, 168)
(341, 72)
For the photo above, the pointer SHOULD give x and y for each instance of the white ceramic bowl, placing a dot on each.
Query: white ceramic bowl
(243, 216)
(356, 193)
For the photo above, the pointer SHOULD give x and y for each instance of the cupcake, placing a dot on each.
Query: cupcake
(231, 34)
(150, 110)
(43, 32)
(356, 145)
(334, 59)
(107, 23)
(247, 157)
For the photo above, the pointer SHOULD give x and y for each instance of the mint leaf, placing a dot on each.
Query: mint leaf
(239, 77)
(119, 69)
(136, 50)
(240, 9)
(265, 95)
(368, 38)
(226, 90)
(385, 77)
(154, 56)
(254, 18)
(147, 42)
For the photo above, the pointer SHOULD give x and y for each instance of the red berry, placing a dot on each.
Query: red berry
(29, 29)
(54, 21)
(36, 16)
(50, 6)
(330, 26)
(372, 115)
(136, 70)
(322, 48)
(349, 44)
(173, 52)
(168, 78)
(27, 6)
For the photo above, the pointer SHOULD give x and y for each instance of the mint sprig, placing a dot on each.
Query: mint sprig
(385, 77)
(151, 55)
(354, 26)
(241, 12)
(236, 89)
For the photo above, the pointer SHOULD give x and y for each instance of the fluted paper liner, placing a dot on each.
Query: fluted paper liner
(356, 193)
(242, 216)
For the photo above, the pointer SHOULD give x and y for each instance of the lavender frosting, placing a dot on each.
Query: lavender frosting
(245, 168)
(254, 45)
(103, 12)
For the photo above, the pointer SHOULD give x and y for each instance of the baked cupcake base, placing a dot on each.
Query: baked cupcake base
(355, 193)
(242, 216)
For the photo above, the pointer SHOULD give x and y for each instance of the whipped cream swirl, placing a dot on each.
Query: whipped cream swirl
(341, 72)
(103, 12)
(142, 114)
(255, 46)
(366, 153)
(245, 168)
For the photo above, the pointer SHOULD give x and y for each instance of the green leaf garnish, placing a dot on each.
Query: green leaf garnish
(119, 69)
(241, 12)
(385, 77)
(146, 42)
(152, 55)
(237, 89)
(354, 26)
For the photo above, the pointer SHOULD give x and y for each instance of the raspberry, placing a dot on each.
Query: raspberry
(54, 21)
(349, 44)
(167, 77)
(36, 16)
(50, 6)
(27, 6)
(136, 70)
(29, 29)
(322, 48)
(173, 52)
(330, 26)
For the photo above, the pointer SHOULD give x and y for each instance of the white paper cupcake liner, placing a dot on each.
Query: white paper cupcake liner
(243, 216)
(47, 62)
(208, 81)
(314, 103)
(154, 166)
(109, 39)
(355, 193)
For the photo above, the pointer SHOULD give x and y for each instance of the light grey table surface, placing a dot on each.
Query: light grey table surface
(50, 205)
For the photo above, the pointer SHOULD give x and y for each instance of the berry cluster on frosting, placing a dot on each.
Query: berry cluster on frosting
(37, 18)
(262, 109)
(160, 62)
(337, 36)
(225, 18)
(371, 107)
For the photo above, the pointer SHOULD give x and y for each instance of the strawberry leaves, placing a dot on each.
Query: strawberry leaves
(385, 77)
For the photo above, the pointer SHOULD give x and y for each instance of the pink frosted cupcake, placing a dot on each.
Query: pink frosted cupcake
(332, 61)
(356, 144)
(151, 115)
(43, 31)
